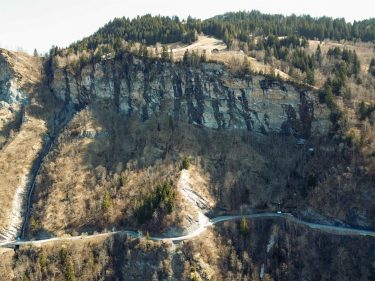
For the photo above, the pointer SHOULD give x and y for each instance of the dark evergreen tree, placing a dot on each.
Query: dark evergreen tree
(371, 69)
(165, 53)
(186, 57)
(318, 55)
(310, 77)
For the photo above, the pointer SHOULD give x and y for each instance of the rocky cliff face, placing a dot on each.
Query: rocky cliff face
(11, 93)
(208, 96)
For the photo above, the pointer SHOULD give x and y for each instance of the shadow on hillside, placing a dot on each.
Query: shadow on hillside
(248, 171)
(245, 168)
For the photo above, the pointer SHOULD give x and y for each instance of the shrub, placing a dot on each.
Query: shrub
(42, 260)
(123, 179)
(365, 111)
(107, 201)
(185, 164)
(195, 278)
(244, 227)
(330, 99)
(33, 224)
(67, 264)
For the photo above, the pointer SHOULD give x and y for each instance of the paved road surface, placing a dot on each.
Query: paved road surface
(336, 230)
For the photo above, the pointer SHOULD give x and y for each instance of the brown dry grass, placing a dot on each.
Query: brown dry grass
(16, 160)
(17, 157)
(241, 171)
(232, 59)
(76, 177)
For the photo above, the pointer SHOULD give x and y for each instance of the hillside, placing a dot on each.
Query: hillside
(121, 145)
(23, 130)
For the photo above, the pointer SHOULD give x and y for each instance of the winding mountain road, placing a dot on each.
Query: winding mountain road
(336, 230)
(203, 222)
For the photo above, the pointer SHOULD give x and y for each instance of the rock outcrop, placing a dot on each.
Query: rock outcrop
(208, 95)
(13, 90)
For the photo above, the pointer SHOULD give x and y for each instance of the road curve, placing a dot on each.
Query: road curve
(336, 230)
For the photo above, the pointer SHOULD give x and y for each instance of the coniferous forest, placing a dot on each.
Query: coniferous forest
(230, 27)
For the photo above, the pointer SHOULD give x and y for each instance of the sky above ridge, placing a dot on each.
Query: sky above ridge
(29, 24)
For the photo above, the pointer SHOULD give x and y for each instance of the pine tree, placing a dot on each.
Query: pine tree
(310, 77)
(117, 45)
(371, 69)
(186, 57)
(329, 98)
(356, 66)
(318, 55)
(226, 38)
(362, 111)
(165, 53)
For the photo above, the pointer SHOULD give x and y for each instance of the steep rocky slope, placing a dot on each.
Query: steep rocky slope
(92, 143)
(18, 75)
(30, 118)
(22, 134)
(207, 95)
(138, 118)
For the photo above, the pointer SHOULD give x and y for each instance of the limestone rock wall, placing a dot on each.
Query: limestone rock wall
(208, 96)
